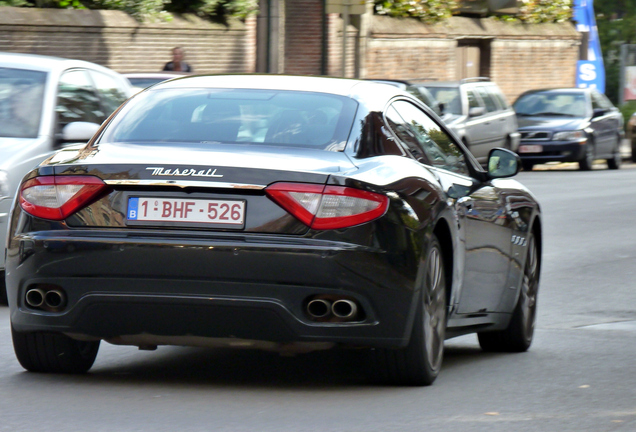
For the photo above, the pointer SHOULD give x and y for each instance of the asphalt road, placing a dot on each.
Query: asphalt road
(578, 376)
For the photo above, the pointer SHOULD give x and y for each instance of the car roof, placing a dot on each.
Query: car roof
(372, 94)
(43, 63)
(337, 86)
(559, 90)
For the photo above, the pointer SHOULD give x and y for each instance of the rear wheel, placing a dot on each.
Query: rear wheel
(614, 162)
(633, 149)
(3, 290)
(518, 336)
(420, 361)
(585, 164)
(53, 352)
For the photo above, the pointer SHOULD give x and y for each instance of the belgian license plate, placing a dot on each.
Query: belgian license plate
(530, 148)
(198, 211)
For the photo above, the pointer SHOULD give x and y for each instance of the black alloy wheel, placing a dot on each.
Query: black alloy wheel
(586, 163)
(53, 352)
(614, 162)
(419, 363)
(518, 336)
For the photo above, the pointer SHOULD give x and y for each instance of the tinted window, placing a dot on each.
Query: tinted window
(109, 90)
(490, 103)
(405, 134)
(473, 100)
(77, 100)
(438, 147)
(496, 93)
(550, 103)
(21, 101)
(296, 119)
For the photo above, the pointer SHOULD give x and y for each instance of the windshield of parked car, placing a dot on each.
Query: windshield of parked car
(21, 100)
(244, 116)
(551, 104)
(449, 96)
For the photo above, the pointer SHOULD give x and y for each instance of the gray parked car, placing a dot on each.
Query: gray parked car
(47, 103)
(477, 111)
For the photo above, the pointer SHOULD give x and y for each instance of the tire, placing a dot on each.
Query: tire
(527, 166)
(53, 352)
(633, 149)
(419, 363)
(614, 162)
(518, 336)
(4, 301)
(586, 163)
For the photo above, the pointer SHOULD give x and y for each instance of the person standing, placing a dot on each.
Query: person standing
(177, 64)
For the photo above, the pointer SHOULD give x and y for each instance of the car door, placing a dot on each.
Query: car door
(604, 125)
(480, 209)
(478, 126)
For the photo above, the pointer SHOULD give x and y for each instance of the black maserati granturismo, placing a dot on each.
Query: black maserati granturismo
(274, 212)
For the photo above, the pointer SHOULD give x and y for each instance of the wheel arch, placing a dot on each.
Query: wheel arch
(443, 233)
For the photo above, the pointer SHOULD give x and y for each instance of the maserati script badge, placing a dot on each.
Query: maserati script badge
(185, 172)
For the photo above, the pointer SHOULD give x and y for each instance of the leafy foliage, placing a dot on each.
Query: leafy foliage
(616, 21)
(142, 9)
(425, 10)
(531, 11)
(543, 11)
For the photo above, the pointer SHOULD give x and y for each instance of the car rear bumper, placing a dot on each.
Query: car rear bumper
(553, 152)
(237, 288)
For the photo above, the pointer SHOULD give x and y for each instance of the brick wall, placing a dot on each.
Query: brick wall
(522, 57)
(519, 65)
(115, 40)
(303, 37)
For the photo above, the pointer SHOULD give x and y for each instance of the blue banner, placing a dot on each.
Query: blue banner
(590, 71)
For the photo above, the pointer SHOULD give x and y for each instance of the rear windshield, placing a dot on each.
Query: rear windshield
(21, 101)
(264, 117)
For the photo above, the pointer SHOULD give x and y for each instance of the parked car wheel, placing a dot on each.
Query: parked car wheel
(420, 361)
(53, 352)
(633, 149)
(586, 163)
(518, 336)
(614, 162)
(527, 166)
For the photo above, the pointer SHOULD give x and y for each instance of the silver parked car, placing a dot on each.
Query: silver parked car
(47, 103)
(477, 111)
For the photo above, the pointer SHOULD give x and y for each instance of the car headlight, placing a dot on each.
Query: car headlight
(4, 185)
(578, 135)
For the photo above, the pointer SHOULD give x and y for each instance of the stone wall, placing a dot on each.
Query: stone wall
(115, 40)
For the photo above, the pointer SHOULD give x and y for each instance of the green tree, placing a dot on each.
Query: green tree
(616, 21)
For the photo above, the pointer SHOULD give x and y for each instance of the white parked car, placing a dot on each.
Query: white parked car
(47, 103)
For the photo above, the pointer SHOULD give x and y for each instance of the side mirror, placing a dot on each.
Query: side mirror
(79, 131)
(476, 111)
(599, 112)
(503, 163)
(441, 107)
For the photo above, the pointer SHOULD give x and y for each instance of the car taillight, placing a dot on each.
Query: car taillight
(57, 197)
(328, 207)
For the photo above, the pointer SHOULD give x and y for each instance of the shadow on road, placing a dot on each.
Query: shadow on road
(200, 367)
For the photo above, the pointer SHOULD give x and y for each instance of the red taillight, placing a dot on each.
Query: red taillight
(57, 197)
(328, 207)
